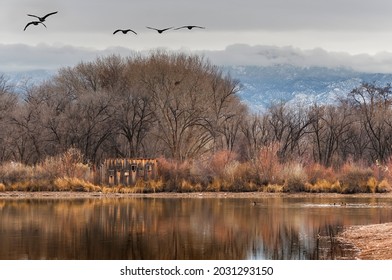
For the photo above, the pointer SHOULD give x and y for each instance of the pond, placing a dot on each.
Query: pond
(195, 228)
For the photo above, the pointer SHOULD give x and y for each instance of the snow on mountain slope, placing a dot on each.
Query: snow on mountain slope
(262, 86)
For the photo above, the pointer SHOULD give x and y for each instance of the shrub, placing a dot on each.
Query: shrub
(267, 165)
(172, 169)
(2, 187)
(223, 164)
(317, 172)
(295, 177)
(354, 178)
(12, 172)
(69, 164)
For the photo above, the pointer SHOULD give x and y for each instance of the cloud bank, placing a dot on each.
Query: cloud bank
(20, 57)
(241, 54)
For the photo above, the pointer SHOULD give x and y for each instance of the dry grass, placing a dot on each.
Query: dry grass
(384, 186)
(141, 186)
(323, 186)
(32, 186)
(74, 184)
(273, 188)
(216, 185)
(187, 186)
(220, 172)
(373, 242)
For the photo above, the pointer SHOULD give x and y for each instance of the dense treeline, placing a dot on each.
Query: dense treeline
(182, 108)
(176, 106)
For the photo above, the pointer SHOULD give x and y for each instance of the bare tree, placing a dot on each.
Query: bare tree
(8, 103)
(176, 85)
(374, 106)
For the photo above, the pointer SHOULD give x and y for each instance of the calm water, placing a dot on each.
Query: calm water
(183, 228)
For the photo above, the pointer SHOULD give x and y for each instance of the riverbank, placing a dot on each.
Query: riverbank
(75, 194)
(371, 242)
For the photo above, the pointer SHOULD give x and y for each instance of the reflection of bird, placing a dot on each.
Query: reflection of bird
(124, 31)
(42, 19)
(190, 27)
(159, 30)
(34, 23)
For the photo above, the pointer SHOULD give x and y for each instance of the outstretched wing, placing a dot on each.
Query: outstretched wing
(118, 30)
(33, 16)
(166, 29)
(49, 15)
(190, 27)
(33, 22)
(27, 25)
(152, 28)
(132, 31)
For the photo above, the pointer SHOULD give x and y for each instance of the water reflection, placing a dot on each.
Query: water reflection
(182, 228)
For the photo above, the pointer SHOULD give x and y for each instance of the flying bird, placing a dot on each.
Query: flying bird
(124, 31)
(34, 23)
(159, 30)
(42, 19)
(190, 27)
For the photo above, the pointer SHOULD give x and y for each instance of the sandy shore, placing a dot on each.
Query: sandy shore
(371, 242)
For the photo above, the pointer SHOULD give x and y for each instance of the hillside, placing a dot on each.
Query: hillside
(263, 86)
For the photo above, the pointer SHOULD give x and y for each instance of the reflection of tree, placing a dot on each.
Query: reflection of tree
(164, 228)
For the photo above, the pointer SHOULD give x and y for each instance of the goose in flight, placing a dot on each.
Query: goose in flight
(34, 23)
(159, 30)
(124, 31)
(190, 27)
(42, 19)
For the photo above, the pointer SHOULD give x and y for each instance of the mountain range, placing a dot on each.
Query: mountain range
(262, 86)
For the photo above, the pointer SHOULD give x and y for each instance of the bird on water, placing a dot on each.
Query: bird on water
(124, 31)
(42, 19)
(160, 31)
(34, 23)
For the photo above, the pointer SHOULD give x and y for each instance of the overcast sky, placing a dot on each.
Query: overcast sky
(333, 33)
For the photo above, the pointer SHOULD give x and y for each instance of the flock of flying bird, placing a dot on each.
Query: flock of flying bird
(124, 31)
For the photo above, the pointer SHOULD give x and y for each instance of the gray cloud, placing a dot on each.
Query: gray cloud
(20, 57)
(241, 54)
